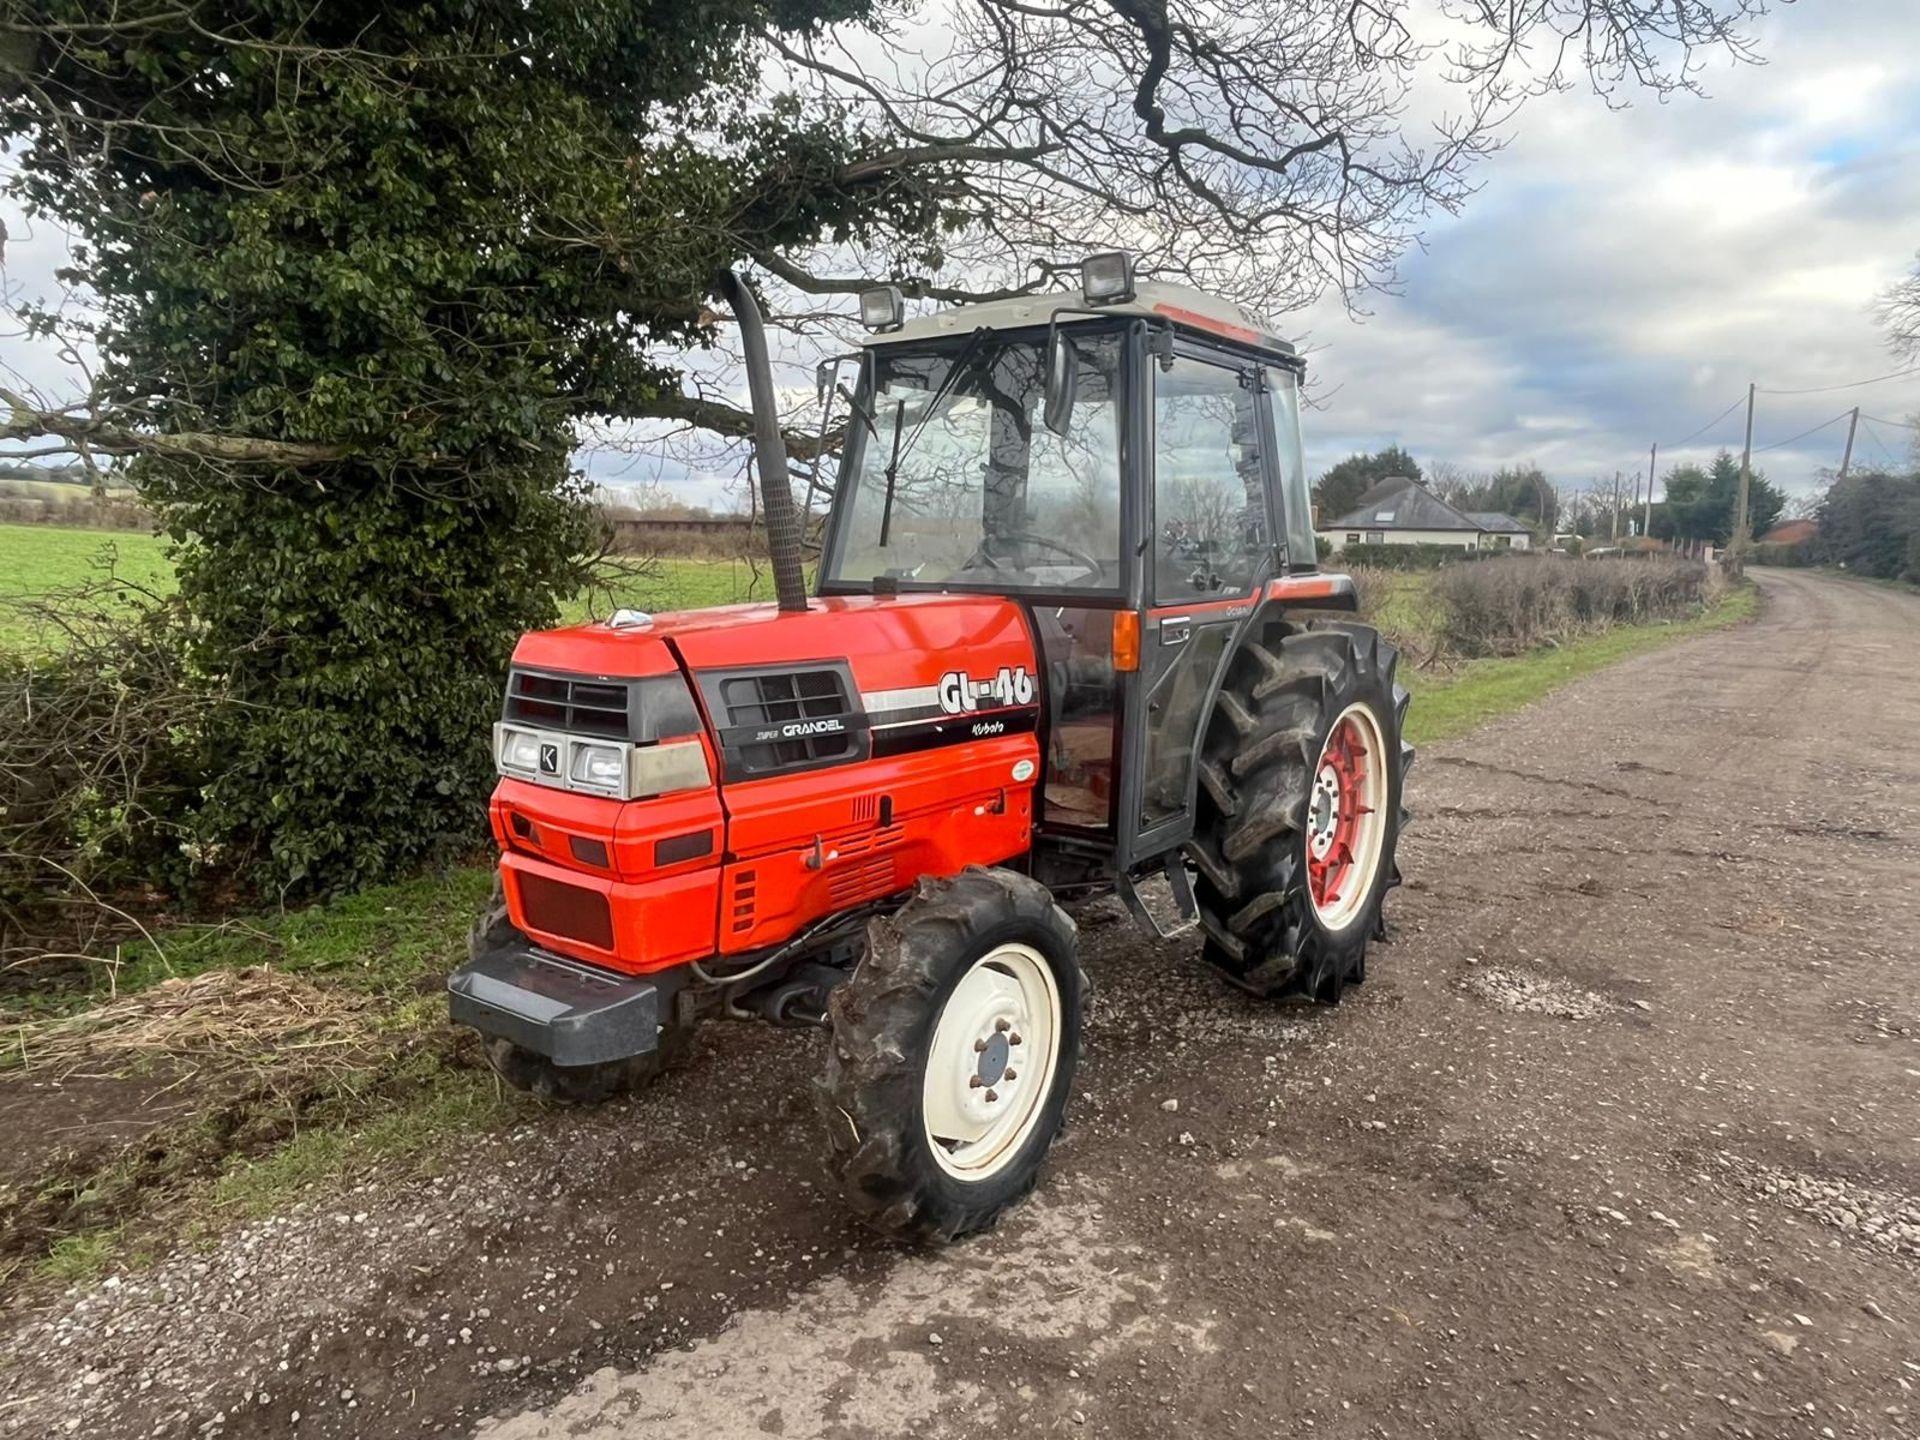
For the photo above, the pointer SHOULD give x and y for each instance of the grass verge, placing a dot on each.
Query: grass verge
(1454, 703)
(263, 1124)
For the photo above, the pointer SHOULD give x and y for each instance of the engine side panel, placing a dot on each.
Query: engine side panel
(935, 771)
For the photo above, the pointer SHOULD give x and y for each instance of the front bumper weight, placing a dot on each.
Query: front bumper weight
(571, 1013)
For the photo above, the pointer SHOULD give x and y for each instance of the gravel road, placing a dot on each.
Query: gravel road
(1619, 1138)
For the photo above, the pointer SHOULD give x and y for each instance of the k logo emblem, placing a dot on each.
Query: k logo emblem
(549, 759)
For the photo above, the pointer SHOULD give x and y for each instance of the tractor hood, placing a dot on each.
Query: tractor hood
(896, 649)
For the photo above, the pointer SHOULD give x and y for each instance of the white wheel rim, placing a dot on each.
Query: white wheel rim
(1346, 818)
(996, 1047)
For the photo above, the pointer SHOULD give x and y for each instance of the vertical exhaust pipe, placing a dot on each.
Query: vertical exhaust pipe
(769, 450)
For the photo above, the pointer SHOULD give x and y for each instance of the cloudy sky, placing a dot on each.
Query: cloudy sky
(1622, 276)
(1618, 280)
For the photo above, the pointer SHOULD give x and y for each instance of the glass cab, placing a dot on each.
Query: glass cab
(1154, 516)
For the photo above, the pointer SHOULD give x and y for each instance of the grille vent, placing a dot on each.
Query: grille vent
(569, 910)
(740, 907)
(769, 700)
(559, 702)
(865, 880)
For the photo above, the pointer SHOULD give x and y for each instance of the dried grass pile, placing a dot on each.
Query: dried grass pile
(223, 1016)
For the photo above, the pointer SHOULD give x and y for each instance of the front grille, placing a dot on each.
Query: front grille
(561, 702)
(760, 706)
(570, 911)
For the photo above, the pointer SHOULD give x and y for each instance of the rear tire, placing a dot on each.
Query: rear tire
(534, 1073)
(953, 1053)
(1261, 830)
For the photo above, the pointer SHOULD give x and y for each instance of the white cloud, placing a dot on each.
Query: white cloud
(1623, 275)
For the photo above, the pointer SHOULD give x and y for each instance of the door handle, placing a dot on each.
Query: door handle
(1175, 632)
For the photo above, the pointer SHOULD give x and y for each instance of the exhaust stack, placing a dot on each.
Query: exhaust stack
(769, 450)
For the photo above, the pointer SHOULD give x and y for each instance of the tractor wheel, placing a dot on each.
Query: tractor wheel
(954, 1047)
(1299, 808)
(523, 1069)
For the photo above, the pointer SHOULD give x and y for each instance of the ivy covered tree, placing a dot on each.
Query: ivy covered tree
(362, 269)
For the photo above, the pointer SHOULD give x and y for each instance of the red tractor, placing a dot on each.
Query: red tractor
(1069, 636)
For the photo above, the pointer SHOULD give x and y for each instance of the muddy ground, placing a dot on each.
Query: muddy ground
(1620, 1138)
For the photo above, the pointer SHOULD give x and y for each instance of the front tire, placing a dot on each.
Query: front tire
(953, 1054)
(1300, 808)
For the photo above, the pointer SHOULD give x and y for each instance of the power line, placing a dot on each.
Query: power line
(1878, 444)
(1850, 385)
(1758, 449)
(1880, 420)
(1738, 402)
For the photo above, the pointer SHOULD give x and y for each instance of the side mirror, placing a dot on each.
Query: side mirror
(1063, 379)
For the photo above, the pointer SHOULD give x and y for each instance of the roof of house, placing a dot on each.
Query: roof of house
(1496, 522)
(1790, 532)
(1399, 503)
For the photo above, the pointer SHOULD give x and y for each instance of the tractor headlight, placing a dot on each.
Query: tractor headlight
(600, 767)
(517, 750)
(1107, 278)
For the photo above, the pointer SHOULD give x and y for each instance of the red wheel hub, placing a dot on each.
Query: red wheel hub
(1338, 815)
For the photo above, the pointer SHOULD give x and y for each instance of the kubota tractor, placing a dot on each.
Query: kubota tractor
(1068, 636)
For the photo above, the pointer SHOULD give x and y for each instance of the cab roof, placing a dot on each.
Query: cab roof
(1153, 300)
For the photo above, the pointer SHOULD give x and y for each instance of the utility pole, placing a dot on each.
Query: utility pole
(1653, 456)
(1615, 534)
(1742, 534)
(1847, 459)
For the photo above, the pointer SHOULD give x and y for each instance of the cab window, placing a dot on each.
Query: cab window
(1211, 534)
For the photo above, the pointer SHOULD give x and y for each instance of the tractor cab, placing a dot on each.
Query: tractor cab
(1125, 463)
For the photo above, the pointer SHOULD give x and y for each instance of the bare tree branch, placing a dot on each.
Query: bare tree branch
(86, 433)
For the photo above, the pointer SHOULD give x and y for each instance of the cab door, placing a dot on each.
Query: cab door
(1210, 551)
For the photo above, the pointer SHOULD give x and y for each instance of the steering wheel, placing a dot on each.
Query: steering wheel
(1027, 537)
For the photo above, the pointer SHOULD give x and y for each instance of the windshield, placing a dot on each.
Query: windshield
(955, 481)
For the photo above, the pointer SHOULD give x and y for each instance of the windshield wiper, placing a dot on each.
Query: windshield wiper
(902, 450)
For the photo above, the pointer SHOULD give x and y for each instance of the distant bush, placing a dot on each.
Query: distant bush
(1407, 557)
(1524, 601)
(1773, 552)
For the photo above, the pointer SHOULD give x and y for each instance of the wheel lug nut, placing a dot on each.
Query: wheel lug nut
(974, 1082)
(1001, 1027)
(1014, 1038)
(1011, 1074)
(992, 1095)
(979, 1046)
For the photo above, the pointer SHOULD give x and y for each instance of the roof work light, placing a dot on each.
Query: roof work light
(1107, 278)
(883, 308)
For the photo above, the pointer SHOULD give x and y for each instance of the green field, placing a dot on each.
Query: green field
(38, 559)
(35, 559)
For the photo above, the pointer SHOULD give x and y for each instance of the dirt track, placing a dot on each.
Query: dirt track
(1621, 1137)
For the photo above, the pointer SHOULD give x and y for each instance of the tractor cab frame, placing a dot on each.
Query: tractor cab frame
(1131, 473)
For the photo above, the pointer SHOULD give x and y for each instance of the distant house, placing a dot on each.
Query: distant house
(1790, 532)
(1402, 511)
